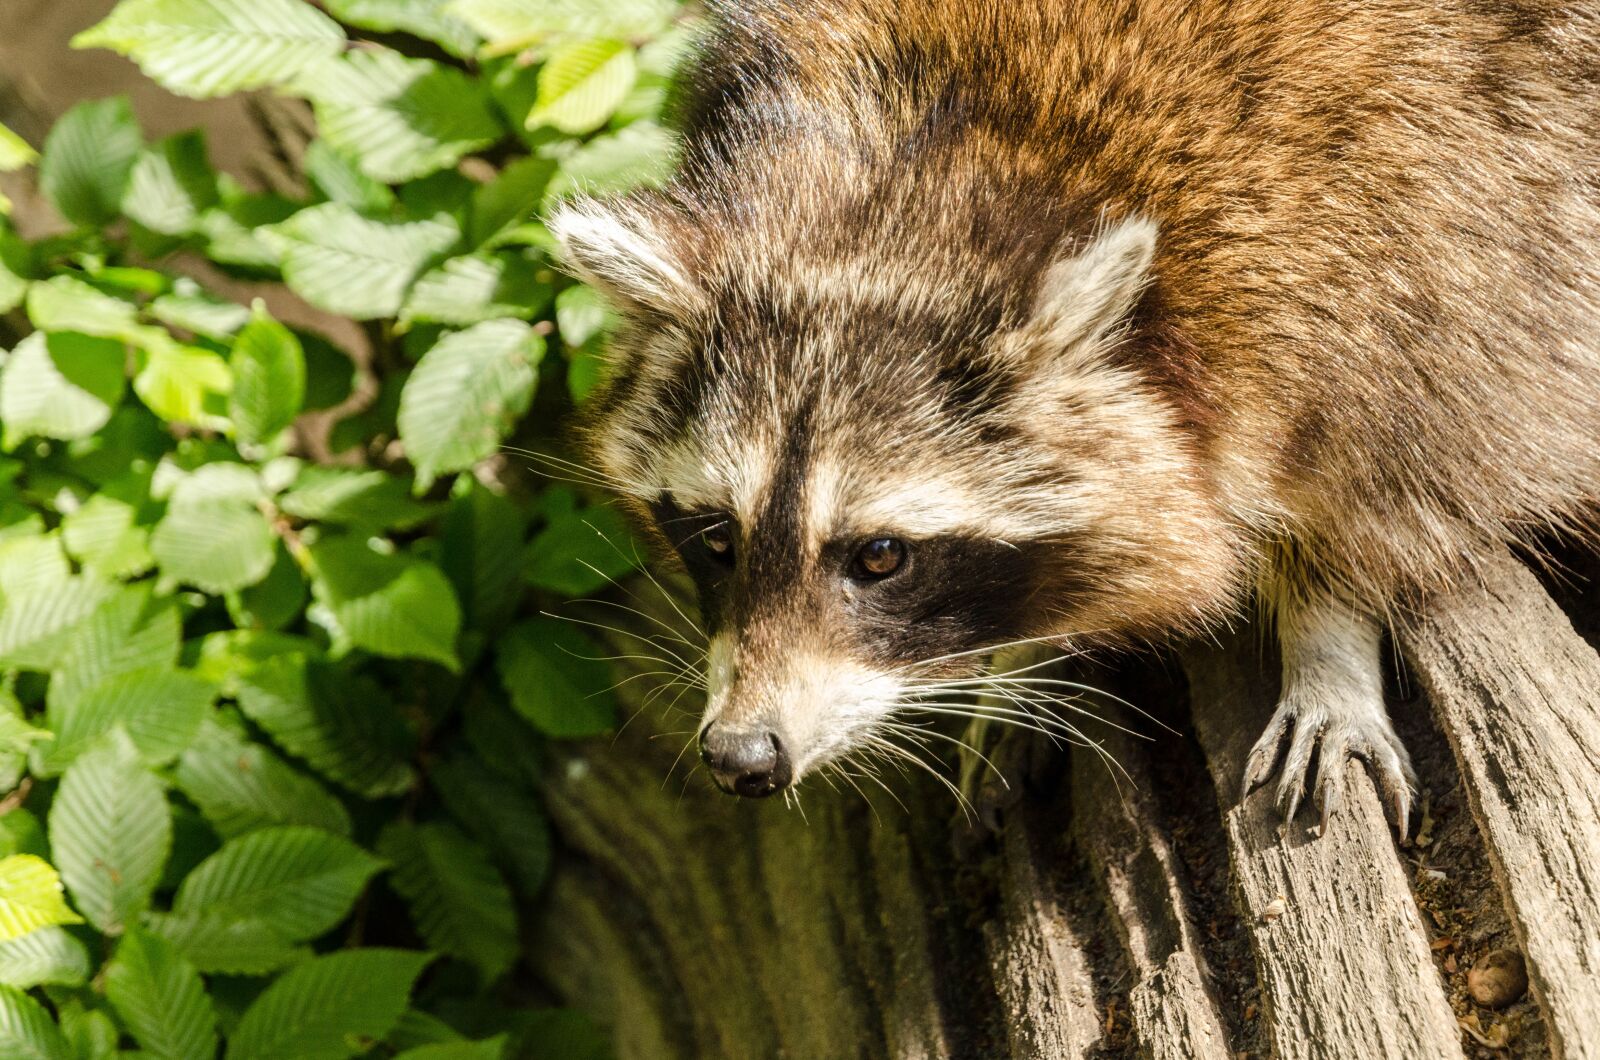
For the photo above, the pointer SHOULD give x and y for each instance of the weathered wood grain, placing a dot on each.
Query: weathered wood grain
(1340, 948)
(1040, 969)
(1174, 1014)
(1517, 692)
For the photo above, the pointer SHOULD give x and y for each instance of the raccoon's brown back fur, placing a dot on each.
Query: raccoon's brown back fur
(1375, 305)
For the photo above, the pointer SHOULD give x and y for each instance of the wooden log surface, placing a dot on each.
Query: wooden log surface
(1341, 949)
(1517, 692)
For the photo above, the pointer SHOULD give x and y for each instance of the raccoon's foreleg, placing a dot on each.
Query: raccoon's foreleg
(1332, 703)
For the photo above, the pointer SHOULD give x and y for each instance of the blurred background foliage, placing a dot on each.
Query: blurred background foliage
(275, 670)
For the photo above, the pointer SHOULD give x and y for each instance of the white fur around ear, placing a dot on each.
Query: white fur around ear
(1083, 298)
(620, 250)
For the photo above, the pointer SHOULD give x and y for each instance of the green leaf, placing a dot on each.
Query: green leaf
(30, 897)
(581, 314)
(276, 600)
(510, 25)
(61, 385)
(489, 1049)
(269, 372)
(190, 308)
(300, 881)
(241, 786)
(342, 262)
(511, 199)
(161, 999)
(641, 155)
(388, 604)
(582, 552)
(130, 630)
(15, 152)
(26, 1030)
(205, 48)
(184, 384)
(159, 708)
(29, 562)
(108, 535)
(110, 831)
(325, 1007)
(481, 541)
(66, 303)
(479, 287)
(555, 678)
(399, 118)
(427, 19)
(347, 497)
(466, 394)
(581, 84)
(217, 944)
(87, 159)
(48, 955)
(338, 726)
(459, 902)
(171, 185)
(215, 545)
(34, 625)
(504, 815)
(90, 1033)
(338, 177)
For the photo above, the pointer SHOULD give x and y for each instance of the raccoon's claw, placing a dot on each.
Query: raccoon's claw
(1335, 735)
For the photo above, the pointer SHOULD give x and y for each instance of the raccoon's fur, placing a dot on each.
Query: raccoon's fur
(1111, 315)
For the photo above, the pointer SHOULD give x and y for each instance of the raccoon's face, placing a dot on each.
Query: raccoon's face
(876, 483)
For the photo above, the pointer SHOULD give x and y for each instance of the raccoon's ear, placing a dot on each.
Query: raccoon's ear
(623, 252)
(1083, 298)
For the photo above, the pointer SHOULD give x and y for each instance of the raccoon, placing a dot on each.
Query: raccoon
(970, 324)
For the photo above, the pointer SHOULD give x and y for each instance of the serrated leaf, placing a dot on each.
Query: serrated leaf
(131, 629)
(66, 303)
(338, 726)
(388, 604)
(555, 678)
(466, 394)
(26, 1030)
(347, 497)
(107, 535)
(15, 152)
(342, 262)
(300, 881)
(192, 309)
(474, 288)
(582, 552)
(61, 385)
(399, 118)
(87, 157)
(110, 831)
(217, 545)
(269, 379)
(34, 625)
(29, 562)
(30, 897)
(581, 83)
(161, 999)
(183, 384)
(49, 955)
(459, 902)
(240, 786)
(481, 538)
(205, 48)
(427, 19)
(321, 1009)
(505, 816)
(171, 185)
(511, 199)
(217, 944)
(337, 176)
(159, 708)
(640, 155)
(509, 25)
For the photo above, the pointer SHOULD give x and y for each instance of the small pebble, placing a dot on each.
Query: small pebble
(1498, 979)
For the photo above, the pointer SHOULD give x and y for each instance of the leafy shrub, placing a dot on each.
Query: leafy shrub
(274, 682)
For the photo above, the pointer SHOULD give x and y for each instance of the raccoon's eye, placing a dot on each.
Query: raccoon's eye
(718, 541)
(879, 558)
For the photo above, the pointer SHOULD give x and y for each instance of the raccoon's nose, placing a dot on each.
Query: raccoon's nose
(748, 762)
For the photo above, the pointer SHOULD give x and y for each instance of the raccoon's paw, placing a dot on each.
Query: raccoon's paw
(1337, 725)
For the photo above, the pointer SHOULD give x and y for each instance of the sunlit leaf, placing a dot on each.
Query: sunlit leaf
(345, 263)
(87, 158)
(388, 604)
(314, 1011)
(581, 83)
(30, 897)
